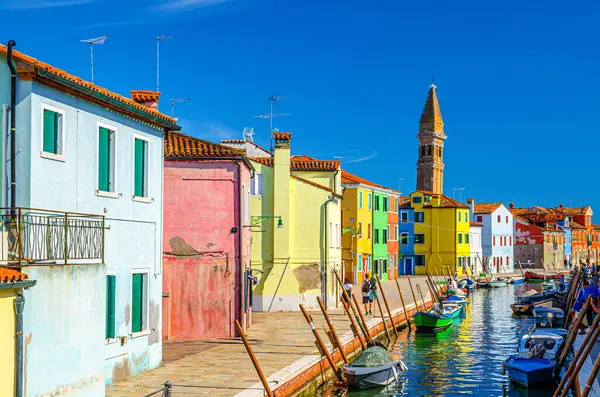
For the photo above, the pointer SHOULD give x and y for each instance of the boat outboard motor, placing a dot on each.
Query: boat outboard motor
(537, 351)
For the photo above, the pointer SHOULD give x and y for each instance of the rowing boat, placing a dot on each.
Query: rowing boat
(533, 276)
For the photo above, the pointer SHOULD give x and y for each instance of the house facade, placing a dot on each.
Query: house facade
(296, 230)
(497, 234)
(529, 240)
(406, 224)
(477, 264)
(91, 161)
(392, 243)
(206, 238)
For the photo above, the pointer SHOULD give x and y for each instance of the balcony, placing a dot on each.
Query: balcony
(34, 236)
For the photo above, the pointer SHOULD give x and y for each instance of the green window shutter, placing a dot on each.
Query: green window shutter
(104, 159)
(110, 306)
(50, 131)
(140, 171)
(136, 302)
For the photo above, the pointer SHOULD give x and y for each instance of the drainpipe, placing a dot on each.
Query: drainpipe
(13, 102)
(240, 240)
(19, 306)
(327, 237)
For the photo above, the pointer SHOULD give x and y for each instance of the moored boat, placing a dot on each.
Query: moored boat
(529, 371)
(551, 342)
(533, 276)
(521, 308)
(550, 315)
(374, 367)
(431, 321)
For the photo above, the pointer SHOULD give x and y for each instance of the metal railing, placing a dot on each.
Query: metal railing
(36, 236)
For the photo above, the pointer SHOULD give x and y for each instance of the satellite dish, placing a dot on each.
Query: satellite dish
(248, 134)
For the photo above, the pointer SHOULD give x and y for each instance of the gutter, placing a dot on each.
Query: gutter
(327, 237)
(240, 240)
(19, 304)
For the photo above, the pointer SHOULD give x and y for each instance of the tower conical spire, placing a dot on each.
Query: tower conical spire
(431, 118)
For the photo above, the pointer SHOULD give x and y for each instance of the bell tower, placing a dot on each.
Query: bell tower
(430, 165)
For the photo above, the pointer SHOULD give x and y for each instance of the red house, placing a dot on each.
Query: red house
(206, 238)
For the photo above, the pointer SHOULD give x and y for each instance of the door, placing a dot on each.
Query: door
(408, 267)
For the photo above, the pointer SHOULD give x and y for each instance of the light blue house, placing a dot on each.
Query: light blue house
(406, 225)
(565, 225)
(90, 164)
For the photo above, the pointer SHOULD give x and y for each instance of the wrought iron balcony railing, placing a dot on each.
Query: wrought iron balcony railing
(35, 236)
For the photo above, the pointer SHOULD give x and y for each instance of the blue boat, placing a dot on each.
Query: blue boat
(529, 372)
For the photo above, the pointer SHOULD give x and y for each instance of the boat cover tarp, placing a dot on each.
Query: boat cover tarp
(531, 292)
(373, 357)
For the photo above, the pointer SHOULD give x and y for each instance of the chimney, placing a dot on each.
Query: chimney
(146, 97)
(562, 206)
(511, 206)
(471, 203)
(281, 193)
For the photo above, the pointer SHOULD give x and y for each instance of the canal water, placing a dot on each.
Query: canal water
(465, 359)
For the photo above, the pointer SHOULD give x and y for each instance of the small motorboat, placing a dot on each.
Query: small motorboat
(430, 321)
(529, 371)
(522, 308)
(467, 284)
(454, 299)
(537, 277)
(374, 367)
(548, 316)
(551, 342)
(552, 302)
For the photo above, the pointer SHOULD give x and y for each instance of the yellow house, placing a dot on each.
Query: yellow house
(441, 233)
(12, 283)
(296, 229)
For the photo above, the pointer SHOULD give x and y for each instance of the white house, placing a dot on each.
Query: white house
(90, 164)
(476, 249)
(497, 234)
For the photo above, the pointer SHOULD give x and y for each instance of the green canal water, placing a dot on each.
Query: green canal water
(465, 359)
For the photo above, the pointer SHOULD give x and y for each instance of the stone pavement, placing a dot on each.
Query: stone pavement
(221, 367)
(586, 369)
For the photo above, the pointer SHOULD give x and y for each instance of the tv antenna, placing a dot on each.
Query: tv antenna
(174, 101)
(158, 39)
(248, 134)
(97, 40)
(270, 115)
(459, 189)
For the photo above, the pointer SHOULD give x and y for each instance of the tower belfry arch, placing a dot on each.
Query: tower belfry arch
(430, 163)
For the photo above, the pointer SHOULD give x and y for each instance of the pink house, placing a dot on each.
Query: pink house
(206, 240)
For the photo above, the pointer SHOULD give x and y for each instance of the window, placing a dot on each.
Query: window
(507, 222)
(359, 199)
(376, 236)
(359, 229)
(396, 232)
(499, 219)
(359, 264)
(385, 265)
(369, 231)
(385, 235)
(377, 207)
(459, 216)
(493, 240)
(466, 217)
(385, 204)
(419, 217)
(510, 241)
(466, 238)
(404, 238)
(370, 200)
(460, 261)
(337, 235)
(111, 288)
(141, 168)
(416, 200)
(504, 240)
(427, 199)
(404, 217)
(479, 218)
(419, 260)
(106, 160)
(460, 238)
(419, 239)
(53, 137)
(139, 302)
(257, 184)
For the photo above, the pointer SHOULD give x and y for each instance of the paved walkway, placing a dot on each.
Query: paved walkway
(221, 367)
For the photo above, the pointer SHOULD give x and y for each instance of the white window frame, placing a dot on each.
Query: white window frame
(360, 199)
(114, 129)
(403, 213)
(141, 199)
(257, 187)
(396, 232)
(145, 306)
(47, 155)
(110, 341)
(369, 200)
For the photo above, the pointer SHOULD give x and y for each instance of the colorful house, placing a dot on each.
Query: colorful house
(565, 226)
(206, 238)
(392, 243)
(497, 234)
(529, 240)
(475, 241)
(12, 283)
(91, 161)
(407, 259)
(296, 229)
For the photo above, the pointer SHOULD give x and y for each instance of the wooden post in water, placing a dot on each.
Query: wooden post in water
(332, 329)
(592, 379)
(413, 294)
(362, 319)
(573, 333)
(387, 332)
(349, 303)
(521, 268)
(320, 343)
(387, 307)
(422, 298)
(403, 305)
(263, 380)
(354, 326)
(576, 357)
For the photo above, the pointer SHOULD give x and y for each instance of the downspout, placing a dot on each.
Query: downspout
(19, 303)
(13, 102)
(239, 253)
(327, 237)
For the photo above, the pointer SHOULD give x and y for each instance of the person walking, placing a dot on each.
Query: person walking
(579, 302)
(366, 294)
(348, 289)
(373, 295)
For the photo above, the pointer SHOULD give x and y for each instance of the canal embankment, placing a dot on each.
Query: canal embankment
(586, 368)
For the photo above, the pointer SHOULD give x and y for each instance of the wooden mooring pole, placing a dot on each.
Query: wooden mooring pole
(413, 294)
(387, 332)
(332, 330)
(387, 306)
(362, 319)
(320, 343)
(353, 325)
(572, 334)
(403, 305)
(263, 380)
(354, 311)
(592, 379)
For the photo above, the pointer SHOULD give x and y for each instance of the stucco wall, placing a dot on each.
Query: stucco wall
(64, 331)
(476, 249)
(7, 342)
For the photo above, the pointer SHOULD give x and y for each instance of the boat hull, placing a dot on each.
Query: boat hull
(521, 308)
(366, 378)
(533, 276)
(529, 372)
(427, 321)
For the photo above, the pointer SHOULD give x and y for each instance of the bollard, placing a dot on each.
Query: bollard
(168, 389)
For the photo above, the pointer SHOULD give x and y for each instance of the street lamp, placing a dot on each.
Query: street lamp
(257, 220)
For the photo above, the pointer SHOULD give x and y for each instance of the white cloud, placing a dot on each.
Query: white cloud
(179, 5)
(358, 160)
(38, 4)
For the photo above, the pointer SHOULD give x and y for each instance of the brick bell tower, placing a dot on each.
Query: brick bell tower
(430, 166)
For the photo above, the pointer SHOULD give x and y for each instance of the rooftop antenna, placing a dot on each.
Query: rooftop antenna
(400, 185)
(174, 101)
(158, 39)
(271, 114)
(248, 134)
(97, 40)
(454, 190)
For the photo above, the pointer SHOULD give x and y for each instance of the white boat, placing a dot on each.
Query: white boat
(374, 367)
(550, 341)
(549, 315)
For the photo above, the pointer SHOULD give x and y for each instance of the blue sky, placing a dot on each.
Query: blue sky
(517, 80)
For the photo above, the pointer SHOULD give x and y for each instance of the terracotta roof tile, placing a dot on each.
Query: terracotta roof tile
(282, 136)
(476, 224)
(446, 202)
(11, 275)
(177, 145)
(144, 95)
(268, 161)
(243, 141)
(44, 67)
(351, 178)
(486, 208)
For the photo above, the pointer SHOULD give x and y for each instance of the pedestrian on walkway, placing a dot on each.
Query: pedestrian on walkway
(373, 295)
(348, 289)
(593, 292)
(366, 287)
(579, 302)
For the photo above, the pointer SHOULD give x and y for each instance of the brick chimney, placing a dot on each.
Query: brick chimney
(471, 203)
(146, 97)
(511, 206)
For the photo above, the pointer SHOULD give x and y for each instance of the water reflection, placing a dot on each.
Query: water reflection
(465, 359)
